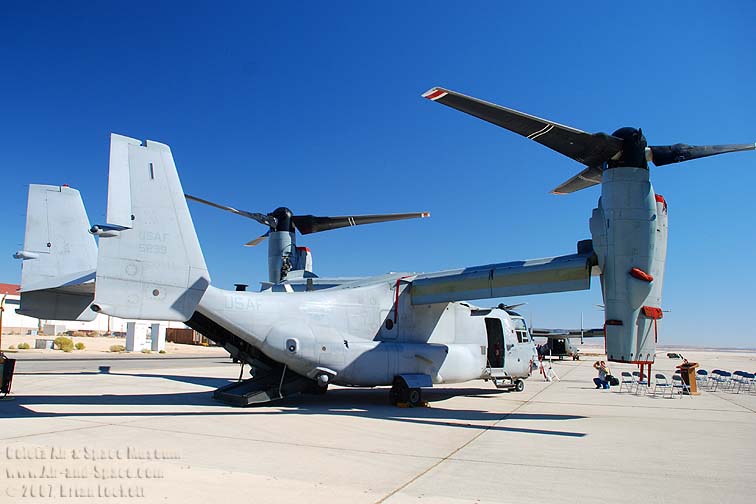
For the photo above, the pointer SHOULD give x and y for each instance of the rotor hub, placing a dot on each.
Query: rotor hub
(633, 151)
(283, 219)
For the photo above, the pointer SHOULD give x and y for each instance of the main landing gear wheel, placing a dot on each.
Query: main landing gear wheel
(519, 385)
(401, 393)
(398, 389)
(321, 384)
(414, 397)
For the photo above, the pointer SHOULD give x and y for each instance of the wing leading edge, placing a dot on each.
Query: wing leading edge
(518, 278)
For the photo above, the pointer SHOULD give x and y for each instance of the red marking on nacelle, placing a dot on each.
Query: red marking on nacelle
(652, 312)
(660, 199)
(641, 275)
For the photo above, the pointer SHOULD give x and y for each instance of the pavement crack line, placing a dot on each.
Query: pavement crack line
(582, 470)
(466, 444)
(722, 397)
(58, 431)
(635, 406)
(268, 441)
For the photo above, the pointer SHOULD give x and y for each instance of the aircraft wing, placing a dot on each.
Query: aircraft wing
(567, 333)
(518, 278)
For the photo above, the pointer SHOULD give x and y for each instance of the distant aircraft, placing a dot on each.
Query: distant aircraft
(558, 342)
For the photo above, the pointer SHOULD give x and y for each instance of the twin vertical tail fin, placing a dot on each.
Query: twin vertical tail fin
(59, 256)
(149, 263)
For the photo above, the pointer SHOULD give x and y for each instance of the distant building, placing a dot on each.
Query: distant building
(13, 323)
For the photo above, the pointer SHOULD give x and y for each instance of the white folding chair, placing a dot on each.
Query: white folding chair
(752, 384)
(679, 385)
(662, 383)
(702, 378)
(716, 378)
(627, 380)
(741, 379)
(640, 382)
(727, 382)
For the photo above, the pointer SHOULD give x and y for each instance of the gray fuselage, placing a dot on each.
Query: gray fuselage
(364, 334)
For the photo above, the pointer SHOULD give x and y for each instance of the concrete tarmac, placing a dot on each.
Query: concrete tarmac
(155, 434)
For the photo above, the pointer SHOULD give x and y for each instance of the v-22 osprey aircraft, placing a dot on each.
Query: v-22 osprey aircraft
(405, 330)
(299, 334)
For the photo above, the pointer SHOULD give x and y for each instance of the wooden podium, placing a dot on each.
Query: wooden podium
(688, 375)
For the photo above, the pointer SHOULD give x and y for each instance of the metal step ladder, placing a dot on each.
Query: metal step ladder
(271, 380)
(500, 378)
(264, 388)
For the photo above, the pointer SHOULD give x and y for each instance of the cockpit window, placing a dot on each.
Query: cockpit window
(521, 329)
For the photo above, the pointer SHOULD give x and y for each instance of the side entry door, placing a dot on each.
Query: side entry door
(496, 348)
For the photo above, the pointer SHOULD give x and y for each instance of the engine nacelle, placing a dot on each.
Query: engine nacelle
(281, 248)
(304, 259)
(284, 256)
(629, 230)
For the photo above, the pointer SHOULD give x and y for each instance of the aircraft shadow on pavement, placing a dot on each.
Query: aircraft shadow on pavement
(362, 403)
(194, 380)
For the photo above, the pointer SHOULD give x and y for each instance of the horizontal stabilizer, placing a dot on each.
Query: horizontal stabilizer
(59, 256)
(518, 278)
(149, 266)
(60, 303)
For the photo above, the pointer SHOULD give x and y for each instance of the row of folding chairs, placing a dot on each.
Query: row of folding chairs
(676, 386)
(736, 381)
(634, 384)
(630, 381)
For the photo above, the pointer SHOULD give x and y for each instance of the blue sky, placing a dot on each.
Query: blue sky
(317, 106)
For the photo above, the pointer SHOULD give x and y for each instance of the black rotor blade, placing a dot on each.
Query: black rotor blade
(589, 149)
(261, 218)
(258, 240)
(667, 154)
(586, 178)
(307, 224)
